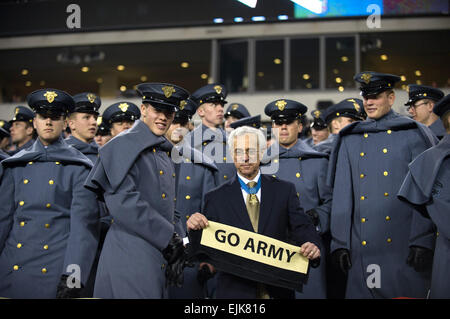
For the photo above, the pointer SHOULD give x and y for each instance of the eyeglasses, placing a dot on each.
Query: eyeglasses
(420, 104)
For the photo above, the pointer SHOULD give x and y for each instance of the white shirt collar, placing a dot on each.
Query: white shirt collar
(246, 181)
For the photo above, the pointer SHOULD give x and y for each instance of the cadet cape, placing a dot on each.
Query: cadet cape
(398, 122)
(420, 185)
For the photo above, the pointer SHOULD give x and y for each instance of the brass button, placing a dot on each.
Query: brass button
(21, 203)
(297, 175)
(276, 161)
(386, 194)
(361, 154)
(389, 131)
(30, 163)
(22, 224)
(188, 177)
(187, 216)
(45, 247)
(188, 197)
(388, 218)
(25, 181)
(16, 267)
(154, 150)
(51, 182)
(204, 143)
(337, 114)
(363, 220)
(47, 225)
(389, 240)
(57, 163)
(19, 245)
(298, 195)
(361, 176)
(161, 172)
(366, 135)
(187, 160)
(163, 195)
(173, 175)
(385, 173)
(385, 150)
(224, 159)
(225, 176)
(44, 270)
(48, 205)
(299, 158)
(363, 198)
(364, 243)
(274, 176)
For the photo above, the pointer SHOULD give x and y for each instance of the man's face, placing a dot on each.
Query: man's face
(230, 119)
(246, 155)
(211, 114)
(117, 127)
(319, 135)
(378, 105)
(49, 128)
(337, 124)
(287, 133)
(102, 139)
(421, 110)
(83, 126)
(158, 121)
(20, 132)
(176, 132)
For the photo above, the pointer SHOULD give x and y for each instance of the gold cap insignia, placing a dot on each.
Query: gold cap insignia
(17, 111)
(366, 77)
(2, 123)
(317, 114)
(99, 120)
(123, 107)
(168, 91)
(281, 104)
(182, 104)
(91, 97)
(218, 89)
(356, 105)
(234, 107)
(50, 95)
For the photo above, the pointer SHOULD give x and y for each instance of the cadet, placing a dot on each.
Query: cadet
(5, 136)
(83, 124)
(319, 129)
(426, 187)
(21, 130)
(344, 113)
(103, 134)
(209, 138)
(372, 231)
(234, 112)
(194, 177)
(4, 139)
(120, 116)
(420, 105)
(48, 221)
(306, 168)
(135, 176)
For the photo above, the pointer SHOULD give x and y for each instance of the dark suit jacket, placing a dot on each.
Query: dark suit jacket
(280, 217)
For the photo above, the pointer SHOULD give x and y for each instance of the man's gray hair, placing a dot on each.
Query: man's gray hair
(243, 130)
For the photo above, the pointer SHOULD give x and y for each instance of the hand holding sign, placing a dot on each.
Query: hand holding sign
(196, 222)
(310, 251)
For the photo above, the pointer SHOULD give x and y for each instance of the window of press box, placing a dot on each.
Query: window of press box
(340, 62)
(419, 57)
(269, 66)
(233, 70)
(304, 71)
(111, 71)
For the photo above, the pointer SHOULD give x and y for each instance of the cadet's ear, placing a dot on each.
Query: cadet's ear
(391, 97)
(300, 126)
(143, 110)
(201, 111)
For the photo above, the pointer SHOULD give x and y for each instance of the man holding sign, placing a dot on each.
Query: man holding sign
(256, 203)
